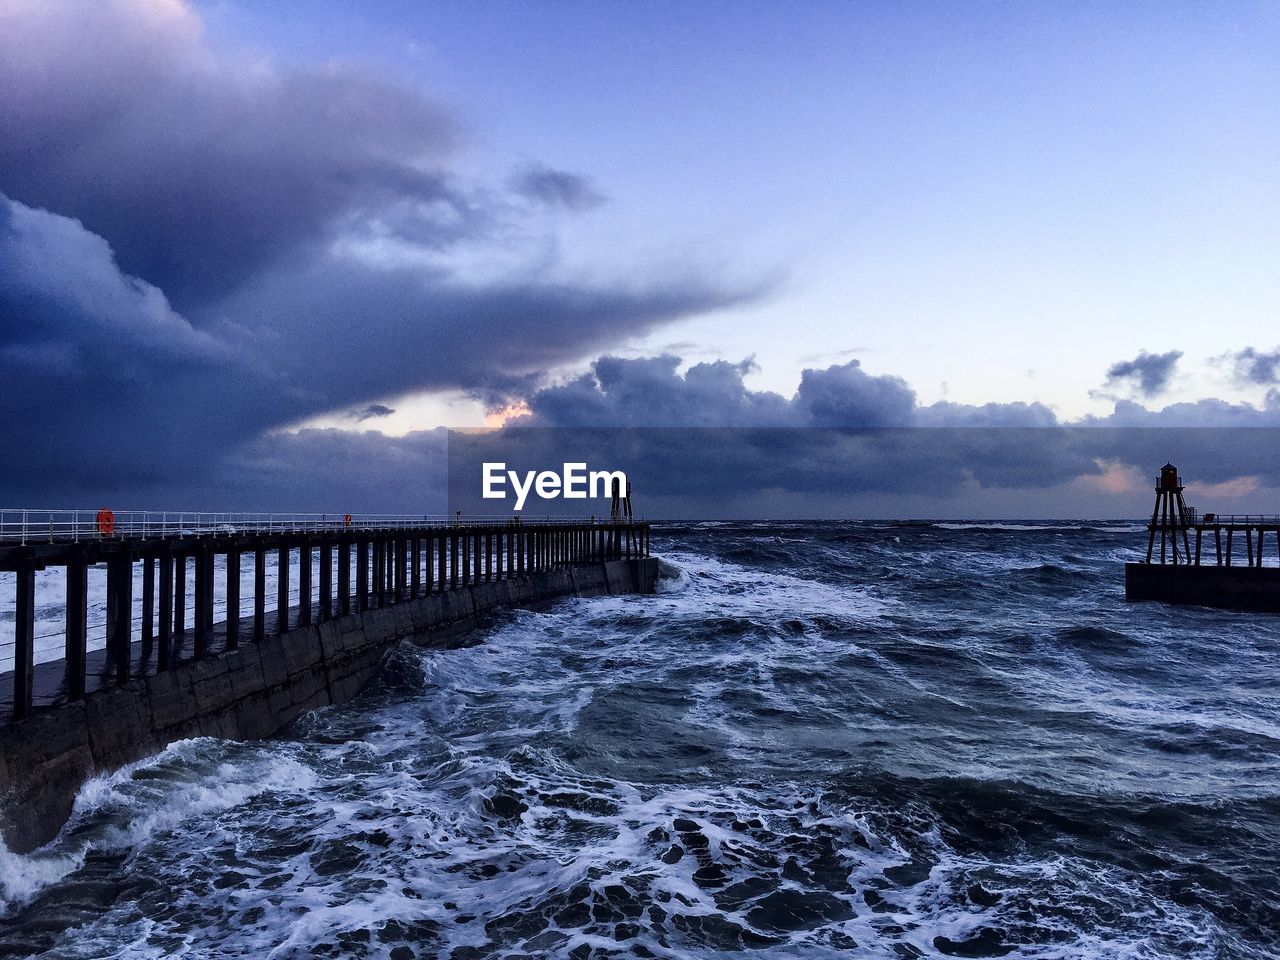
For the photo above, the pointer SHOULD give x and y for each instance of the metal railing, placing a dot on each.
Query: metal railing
(1239, 519)
(23, 526)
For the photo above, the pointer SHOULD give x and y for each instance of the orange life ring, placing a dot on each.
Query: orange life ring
(347, 520)
(106, 522)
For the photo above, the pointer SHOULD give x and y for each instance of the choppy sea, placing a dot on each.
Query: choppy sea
(871, 740)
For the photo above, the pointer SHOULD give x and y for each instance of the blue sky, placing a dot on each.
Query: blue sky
(993, 200)
(263, 253)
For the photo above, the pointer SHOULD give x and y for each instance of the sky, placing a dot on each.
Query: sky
(263, 253)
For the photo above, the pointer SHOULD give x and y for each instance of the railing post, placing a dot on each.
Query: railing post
(283, 560)
(24, 639)
(77, 623)
(233, 597)
(119, 614)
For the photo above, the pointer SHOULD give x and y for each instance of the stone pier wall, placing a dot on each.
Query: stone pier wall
(1235, 588)
(252, 692)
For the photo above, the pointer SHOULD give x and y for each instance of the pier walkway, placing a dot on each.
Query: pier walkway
(96, 598)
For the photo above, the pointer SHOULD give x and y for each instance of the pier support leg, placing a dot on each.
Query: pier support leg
(440, 563)
(233, 598)
(326, 580)
(200, 606)
(164, 650)
(259, 594)
(119, 615)
(304, 584)
(362, 576)
(77, 625)
(24, 640)
(283, 561)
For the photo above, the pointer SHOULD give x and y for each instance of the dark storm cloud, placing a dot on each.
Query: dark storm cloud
(702, 444)
(652, 392)
(197, 247)
(1150, 371)
(198, 169)
(106, 381)
(1253, 366)
(558, 188)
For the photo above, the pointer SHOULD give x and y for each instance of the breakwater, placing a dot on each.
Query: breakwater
(1210, 559)
(187, 676)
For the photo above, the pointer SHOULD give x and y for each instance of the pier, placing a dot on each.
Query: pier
(233, 624)
(1210, 559)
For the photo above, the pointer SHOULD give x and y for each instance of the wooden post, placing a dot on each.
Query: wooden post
(283, 560)
(77, 619)
(259, 593)
(441, 563)
(200, 596)
(304, 583)
(24, 639)
(119, 614)
(233, 597)
(326, 579)
(179, 600)
(164, 651)
(148, 606)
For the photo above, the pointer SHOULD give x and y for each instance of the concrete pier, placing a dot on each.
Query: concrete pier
(1209, 560)
(253, 690)
(175, 672)
(1232, 588)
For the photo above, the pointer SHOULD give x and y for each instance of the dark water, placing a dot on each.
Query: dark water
(893, 740)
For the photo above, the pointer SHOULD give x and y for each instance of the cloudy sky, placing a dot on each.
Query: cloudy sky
(259, 254)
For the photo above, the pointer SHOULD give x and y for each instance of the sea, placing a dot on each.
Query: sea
(882, 740)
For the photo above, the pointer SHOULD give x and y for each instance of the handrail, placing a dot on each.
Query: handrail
(23, 526)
